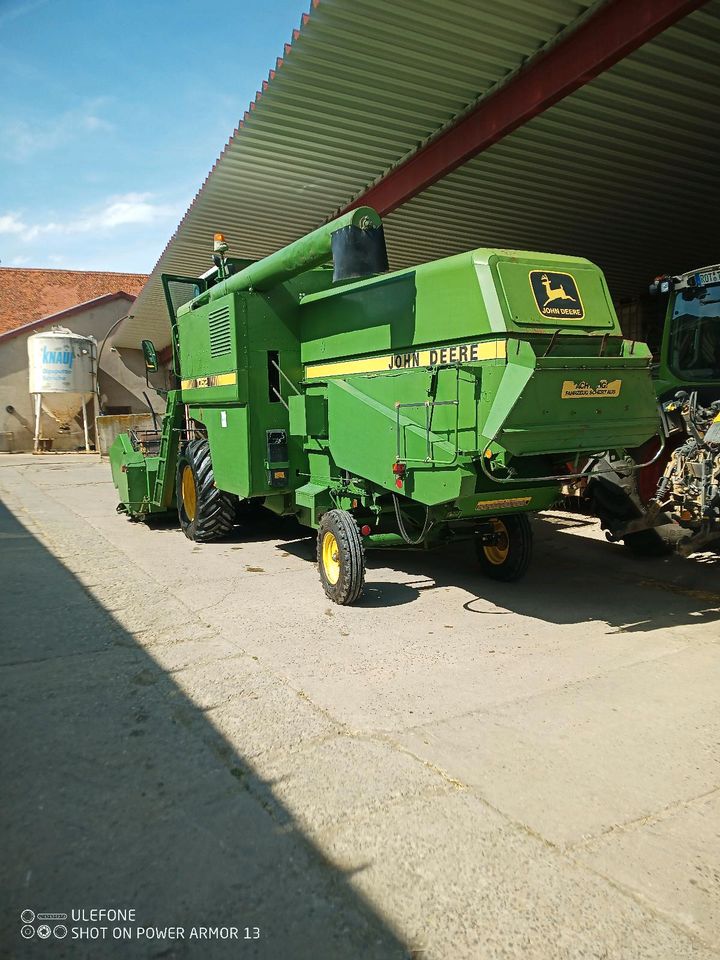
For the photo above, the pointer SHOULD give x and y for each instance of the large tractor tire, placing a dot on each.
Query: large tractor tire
(612, 505)
(509, 557)
(205, 513)
(341, 557)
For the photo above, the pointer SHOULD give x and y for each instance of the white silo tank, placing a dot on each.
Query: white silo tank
(63, 369)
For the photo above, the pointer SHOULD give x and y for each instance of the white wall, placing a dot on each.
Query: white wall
(121, 381)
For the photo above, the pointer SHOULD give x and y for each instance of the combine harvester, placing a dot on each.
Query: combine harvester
(414, 408)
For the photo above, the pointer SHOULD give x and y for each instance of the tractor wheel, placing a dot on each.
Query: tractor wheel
(613, 506)
(341, 557)
(205, 513)
(509, 557)
(648, 543)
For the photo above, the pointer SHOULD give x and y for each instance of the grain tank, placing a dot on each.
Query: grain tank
(413, 408)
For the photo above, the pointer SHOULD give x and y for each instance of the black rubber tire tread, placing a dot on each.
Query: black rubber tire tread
(520, 537)
(215, 509)
(351, 554)
(612, 505)
(647, 543)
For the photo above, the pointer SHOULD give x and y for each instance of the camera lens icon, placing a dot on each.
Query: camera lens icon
(27, 932)
(60, 931)
(44, 931)
(27, 916)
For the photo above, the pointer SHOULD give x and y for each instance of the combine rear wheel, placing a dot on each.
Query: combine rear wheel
(205, 513)
(341, 558)
(508, 557)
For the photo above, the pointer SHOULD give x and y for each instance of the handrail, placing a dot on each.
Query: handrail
(429, 407)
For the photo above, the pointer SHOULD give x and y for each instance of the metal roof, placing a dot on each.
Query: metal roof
(620, 171)
(624, 171)
(360, 87)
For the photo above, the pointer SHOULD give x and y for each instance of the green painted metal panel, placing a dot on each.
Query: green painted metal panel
(544, 291)
(229, 435)
(354, 414)
(307, 415)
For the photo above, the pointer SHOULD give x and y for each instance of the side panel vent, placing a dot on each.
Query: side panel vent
(220, 335)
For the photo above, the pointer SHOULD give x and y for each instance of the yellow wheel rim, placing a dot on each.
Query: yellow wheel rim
(497, 553)
(331, 558)
(188, 492)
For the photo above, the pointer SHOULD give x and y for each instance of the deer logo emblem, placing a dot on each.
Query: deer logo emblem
(554, 293)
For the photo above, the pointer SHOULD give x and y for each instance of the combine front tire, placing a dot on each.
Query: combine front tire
(341, 558)
(508, 557)
(205, 513)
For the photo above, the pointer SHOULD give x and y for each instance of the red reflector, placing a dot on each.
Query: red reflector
(398, 483)
(398, 468)
(365, 530)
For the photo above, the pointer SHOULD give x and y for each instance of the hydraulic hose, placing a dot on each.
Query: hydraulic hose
(562, 477)
(427, 526)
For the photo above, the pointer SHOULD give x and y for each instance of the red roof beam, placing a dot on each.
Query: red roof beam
(617, 29)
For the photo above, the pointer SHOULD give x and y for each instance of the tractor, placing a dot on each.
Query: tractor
(674, 501)
(406, 409)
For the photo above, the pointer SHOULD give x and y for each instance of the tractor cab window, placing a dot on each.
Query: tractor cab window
(695, 334)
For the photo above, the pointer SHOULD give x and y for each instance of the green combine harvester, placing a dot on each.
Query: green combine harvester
(415, 408)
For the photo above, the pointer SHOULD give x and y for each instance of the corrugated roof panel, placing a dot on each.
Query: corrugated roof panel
(624, 171)
(361, 87)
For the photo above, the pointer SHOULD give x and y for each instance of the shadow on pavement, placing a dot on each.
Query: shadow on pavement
(572, 579)
(118, 792)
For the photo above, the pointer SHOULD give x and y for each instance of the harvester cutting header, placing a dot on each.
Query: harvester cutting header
(410, 408)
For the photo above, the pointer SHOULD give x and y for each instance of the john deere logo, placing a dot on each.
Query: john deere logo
(556, 295)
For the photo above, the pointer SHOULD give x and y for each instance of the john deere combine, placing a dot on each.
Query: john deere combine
(400, 409)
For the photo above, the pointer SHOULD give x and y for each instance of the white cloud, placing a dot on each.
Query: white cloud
(91, 122)
(10, 223)
(117, 211)
(128, 208)
(22, 138)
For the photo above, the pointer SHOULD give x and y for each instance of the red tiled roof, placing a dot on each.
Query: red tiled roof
(27, 295)
(62, 316)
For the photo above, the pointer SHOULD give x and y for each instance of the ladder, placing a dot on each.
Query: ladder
(167, 456)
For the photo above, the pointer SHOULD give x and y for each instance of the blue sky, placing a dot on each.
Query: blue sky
(111, 115)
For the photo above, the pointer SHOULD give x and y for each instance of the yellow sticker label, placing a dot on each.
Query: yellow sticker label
(440, 356)
(216, 380)
(577, 391)
(503, 504)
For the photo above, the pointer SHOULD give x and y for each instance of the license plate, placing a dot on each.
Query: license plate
(709, 276)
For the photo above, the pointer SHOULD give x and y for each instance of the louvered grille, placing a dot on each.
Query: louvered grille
(220, 336)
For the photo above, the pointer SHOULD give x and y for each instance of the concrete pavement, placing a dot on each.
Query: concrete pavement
(452, 768)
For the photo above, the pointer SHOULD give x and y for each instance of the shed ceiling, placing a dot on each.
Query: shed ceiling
(359, 88)
(623, 171)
